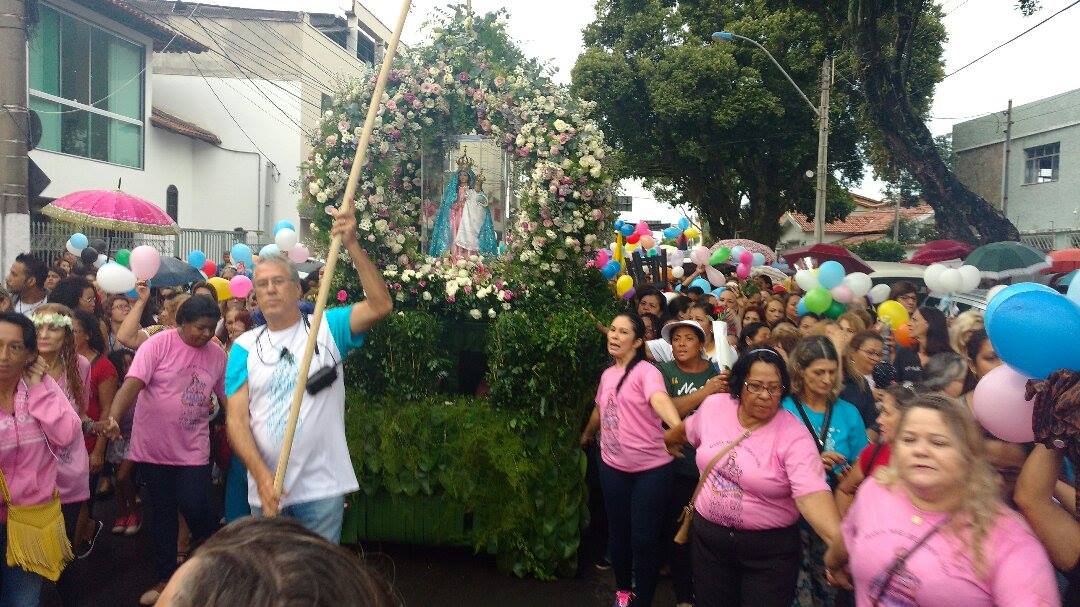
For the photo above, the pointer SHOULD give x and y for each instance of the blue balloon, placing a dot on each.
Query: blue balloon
(79, 241)
(1035, 332)
(1074, 291)
(196, 259)
(671, 233)
(627, 229)
(831, 274)
(241, 252)
(619, 224)
(132, 293)
(800, 308)
(717, 291)
(270, 250)
(736, 253)
(284, 223)
(759, 259)
(683, 223)
(702, 284)
(611, 269)
(1009, 291)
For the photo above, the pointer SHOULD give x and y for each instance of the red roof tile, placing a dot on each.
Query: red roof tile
(865, 222)
(179, 126)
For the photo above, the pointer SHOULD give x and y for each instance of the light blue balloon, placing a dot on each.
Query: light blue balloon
(831, 274)
(196, 259)
(241, 252)
(702, 284)
(1035, 331)
(284, 223)
(800, 309)
(270, 250)
(79, 241)
(627, 229)
(759, 259)
(671, 233)
(1009, 291)
(683, 223)
(717, 291)
(736, 253)
(1074, 291)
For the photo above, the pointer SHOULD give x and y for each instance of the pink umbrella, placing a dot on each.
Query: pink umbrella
(112, 210)
(937, 251)
(749, 245)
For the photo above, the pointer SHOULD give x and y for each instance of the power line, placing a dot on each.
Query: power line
(226, 108)
(271, 115)
(956, 8)
(274, 32)
(1009, 41)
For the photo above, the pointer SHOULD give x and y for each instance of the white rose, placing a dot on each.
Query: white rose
(401, 296)
(491, 312)
(426, 296)
(313, 188)
(381, 225)
(475, 314)
(451, 289)
(506, 306)
(321, 197)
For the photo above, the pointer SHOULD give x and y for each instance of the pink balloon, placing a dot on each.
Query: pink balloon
(1000, 406)
(642, 228)
(743, 271)
(145, 261)
(700, 255)
(647, 241)
(298, 254)
(842, 294)
(240, 286)
(602, 258)
(716, 277)
(746, 258)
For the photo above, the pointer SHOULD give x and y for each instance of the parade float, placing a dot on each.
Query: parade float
(482, 199)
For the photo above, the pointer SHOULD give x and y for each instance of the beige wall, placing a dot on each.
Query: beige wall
(980, 170)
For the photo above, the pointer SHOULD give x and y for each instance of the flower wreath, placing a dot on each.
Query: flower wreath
(51, 319)
(469, 76)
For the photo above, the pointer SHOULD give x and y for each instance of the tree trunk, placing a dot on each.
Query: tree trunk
(960, 213)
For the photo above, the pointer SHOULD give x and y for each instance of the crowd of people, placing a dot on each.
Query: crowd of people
(829, 465)
(178, 400)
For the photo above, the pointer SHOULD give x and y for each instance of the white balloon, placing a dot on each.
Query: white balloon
(71, 248)
(716, 277)
(992, 293)
(677, 272)
(879, 293)
(115, 278)
(972, 277)
(859, 283)
(951, 280)
(806, 280)
(286, 239)
(670, 296)
(700, 255)
(932, 275)
(101, 259)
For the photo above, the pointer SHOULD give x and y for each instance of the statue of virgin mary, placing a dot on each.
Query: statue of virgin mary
(448, 219)
(476, 230)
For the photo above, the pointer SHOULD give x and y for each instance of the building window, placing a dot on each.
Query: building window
(365, 49)
(86, 84)
(1041, 163)
(624, 204)
(172, 202)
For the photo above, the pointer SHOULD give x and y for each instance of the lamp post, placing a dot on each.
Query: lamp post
(822, 113)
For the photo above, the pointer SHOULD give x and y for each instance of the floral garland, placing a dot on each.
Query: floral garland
(469, 77)
(51, 319)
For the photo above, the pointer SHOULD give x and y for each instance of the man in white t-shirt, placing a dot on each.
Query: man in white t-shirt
(26, 281)
(261, 377)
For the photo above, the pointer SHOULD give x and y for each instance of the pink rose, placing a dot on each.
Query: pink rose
(342, 295)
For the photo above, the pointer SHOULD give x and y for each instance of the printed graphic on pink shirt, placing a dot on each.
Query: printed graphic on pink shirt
(902, 590)
(725, 507)
(194, 403)
(609, 429)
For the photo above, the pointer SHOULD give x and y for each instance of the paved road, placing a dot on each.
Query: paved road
(120, 570)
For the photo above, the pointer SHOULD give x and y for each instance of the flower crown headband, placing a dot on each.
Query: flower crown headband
(51, 319)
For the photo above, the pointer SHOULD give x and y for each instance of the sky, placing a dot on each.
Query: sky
(1032, 68)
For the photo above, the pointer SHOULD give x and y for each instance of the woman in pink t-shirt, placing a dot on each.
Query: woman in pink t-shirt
(892, 403)
(745, 544)
(931, 528)
(635, 471)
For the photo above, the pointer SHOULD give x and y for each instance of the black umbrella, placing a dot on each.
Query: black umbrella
(309, 266)
(175, 272)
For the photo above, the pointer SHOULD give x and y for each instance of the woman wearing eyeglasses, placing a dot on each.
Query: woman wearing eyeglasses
(838, 430)
(864, 352)
(744, 537)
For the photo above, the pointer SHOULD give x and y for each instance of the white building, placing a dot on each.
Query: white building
(203, 110)
(635, 203)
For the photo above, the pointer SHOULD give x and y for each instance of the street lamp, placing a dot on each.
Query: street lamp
(822, 113)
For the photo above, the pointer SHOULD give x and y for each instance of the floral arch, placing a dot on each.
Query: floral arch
(468, 78)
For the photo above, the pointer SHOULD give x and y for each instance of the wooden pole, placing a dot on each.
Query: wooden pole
(335, 247)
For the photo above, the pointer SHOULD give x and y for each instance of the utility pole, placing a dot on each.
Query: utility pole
(1005, 162)
(823, 151)
(14, 133)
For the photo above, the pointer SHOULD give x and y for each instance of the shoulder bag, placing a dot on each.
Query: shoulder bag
(36, 538)
(683, 534)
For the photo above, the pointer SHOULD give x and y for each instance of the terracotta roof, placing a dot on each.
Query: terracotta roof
(179, 126)
(875, 221)
(139, 19)
(861, 238)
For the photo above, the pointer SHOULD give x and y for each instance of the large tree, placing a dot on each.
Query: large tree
(717, 126)
(883, 35)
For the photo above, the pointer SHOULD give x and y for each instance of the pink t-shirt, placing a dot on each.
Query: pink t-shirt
(631, 433)
(73, 472)
(172, 414)
(28, 463)
(881, 524)
(755, 486)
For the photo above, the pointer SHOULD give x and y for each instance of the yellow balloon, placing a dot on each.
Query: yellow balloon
(691, 232)
(221, 288)
(623, 285)
(630, 246)
(893, 313)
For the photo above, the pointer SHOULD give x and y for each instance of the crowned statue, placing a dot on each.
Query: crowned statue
(464, 225)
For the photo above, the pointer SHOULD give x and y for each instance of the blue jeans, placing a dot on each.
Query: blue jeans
(172, 489)
(322, 517)
(18, 587)
(636, 505)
